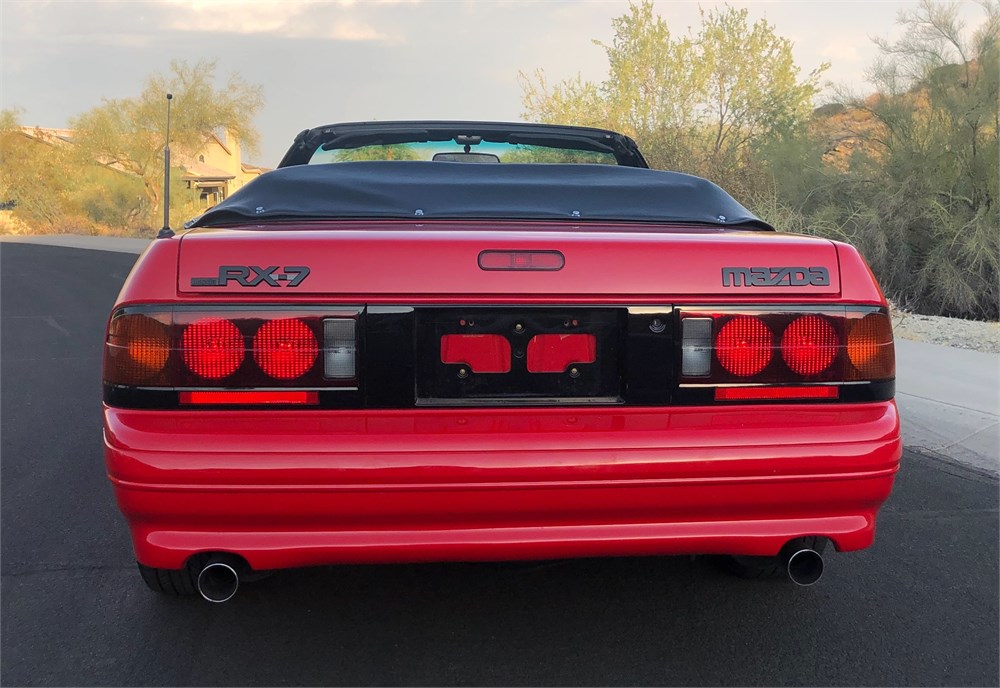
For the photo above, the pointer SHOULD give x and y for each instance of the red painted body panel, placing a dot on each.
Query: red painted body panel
(442, 258)
(290, 488)
(158, 279)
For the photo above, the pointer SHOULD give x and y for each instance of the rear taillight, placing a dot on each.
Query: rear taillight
(137, 347)
(230, 355)
(285, 349)
(809, 345)
(743, 345)
(870, 349)
(775, 353)
(212, 348)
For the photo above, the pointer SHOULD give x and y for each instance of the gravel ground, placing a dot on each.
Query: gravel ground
(963, 334)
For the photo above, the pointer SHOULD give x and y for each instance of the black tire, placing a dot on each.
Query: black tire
(175, 583)
(768, 567)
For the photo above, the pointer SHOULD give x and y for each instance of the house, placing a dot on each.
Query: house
(213, 172)
(216, 170)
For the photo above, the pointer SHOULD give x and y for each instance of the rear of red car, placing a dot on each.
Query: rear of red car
(331, 391)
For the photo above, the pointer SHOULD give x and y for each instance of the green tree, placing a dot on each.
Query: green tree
(752, 89)
(572, 101)
(929, 177)
(129, 133)
(542, 154)
(702, 102)
(362, 153)
(109, 198)
(34, 175)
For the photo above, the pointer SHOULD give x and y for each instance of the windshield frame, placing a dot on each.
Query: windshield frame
(358, 134)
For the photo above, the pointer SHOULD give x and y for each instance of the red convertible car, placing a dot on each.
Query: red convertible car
(380, 352)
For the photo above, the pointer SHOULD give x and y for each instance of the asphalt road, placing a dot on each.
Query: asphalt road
(918, 608)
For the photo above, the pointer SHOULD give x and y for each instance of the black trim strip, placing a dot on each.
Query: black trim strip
(646, 359)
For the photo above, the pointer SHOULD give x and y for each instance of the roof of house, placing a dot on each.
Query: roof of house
(247, 167)
(199, 171)
(64, 137)
(49, 134)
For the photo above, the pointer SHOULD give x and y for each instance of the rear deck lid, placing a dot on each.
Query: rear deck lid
(389, 259)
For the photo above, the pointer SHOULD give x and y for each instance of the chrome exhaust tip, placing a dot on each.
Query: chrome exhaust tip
(218, 582)
(805, 567)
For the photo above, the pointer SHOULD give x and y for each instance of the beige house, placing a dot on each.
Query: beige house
(216, 170)
(213, 172)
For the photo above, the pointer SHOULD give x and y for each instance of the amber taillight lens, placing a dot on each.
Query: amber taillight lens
(285, 348)
(212, 347)
(137, 348)
(870, 347)
(809, 345)
(743, 345)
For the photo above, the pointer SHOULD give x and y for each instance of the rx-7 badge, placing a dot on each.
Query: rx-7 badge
(252, 275)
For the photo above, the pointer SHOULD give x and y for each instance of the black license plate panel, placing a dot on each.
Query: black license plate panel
(439, 383)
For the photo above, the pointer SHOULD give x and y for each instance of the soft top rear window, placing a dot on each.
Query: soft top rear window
(451, 151)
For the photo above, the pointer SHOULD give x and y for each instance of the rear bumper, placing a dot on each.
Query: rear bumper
(291, 488)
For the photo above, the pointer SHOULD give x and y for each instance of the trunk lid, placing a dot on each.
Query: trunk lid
(366, 259)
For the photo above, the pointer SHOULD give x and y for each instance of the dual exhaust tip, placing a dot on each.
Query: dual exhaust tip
(218, 581)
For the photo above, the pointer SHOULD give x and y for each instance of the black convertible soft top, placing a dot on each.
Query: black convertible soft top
(450, 190)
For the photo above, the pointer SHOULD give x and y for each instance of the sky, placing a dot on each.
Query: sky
(337, 61)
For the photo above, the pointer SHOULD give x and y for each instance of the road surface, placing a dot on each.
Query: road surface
(918, 608)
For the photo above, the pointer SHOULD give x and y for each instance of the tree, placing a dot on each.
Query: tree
(34, 175)
(130, 133)
(699, 103)
(572, 101)
(390, 152)
(752, 91)
(541, 154)
(930, 173)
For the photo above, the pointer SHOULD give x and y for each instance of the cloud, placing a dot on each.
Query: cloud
(286, 18)
(841, 50)
(354, 31)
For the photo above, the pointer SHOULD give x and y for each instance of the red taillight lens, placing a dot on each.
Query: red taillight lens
(285, 349)
(870, 347)
(137, 349)
(213, 348)
(809, 345)
(743, 345)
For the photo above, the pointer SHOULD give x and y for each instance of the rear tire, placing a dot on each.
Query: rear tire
(172, 582)
(767, 567)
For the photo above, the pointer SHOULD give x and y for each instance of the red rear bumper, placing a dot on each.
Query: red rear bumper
(290, 488)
